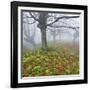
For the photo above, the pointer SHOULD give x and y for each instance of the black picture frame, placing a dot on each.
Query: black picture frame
(14, 44)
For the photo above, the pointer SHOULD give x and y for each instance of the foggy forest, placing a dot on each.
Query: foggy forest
(50, 43)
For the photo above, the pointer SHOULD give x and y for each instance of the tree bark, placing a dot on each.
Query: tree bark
(44, 39)
(42, 25)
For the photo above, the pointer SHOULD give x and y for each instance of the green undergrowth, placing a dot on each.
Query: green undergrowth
(57, 60)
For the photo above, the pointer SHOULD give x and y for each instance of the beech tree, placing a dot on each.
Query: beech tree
(46, 19)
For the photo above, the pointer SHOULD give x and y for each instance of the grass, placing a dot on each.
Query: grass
(58, 60)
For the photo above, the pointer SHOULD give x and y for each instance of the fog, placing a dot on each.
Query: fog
(63, 30)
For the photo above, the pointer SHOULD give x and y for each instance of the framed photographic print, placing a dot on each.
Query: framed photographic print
(48, 44)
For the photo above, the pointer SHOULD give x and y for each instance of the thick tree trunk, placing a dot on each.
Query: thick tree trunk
(44, 39)
(42, 26)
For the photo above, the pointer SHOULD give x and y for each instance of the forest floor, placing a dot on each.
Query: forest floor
(60, 59)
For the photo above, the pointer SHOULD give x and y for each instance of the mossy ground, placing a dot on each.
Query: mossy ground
(57, 60)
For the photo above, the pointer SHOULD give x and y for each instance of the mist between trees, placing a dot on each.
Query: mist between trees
(39, 28)
(50, 43)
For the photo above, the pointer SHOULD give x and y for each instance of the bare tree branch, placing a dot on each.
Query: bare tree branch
(26, 17)
(63, 17)
(33, 16)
